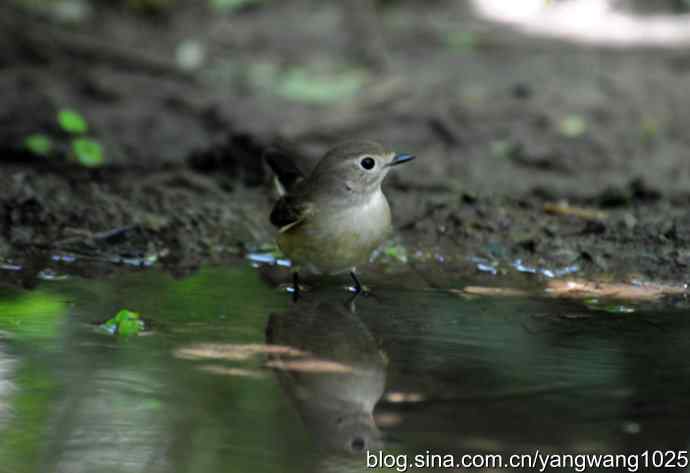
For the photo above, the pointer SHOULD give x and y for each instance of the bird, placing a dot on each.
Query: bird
(332, 220)
(334, 372)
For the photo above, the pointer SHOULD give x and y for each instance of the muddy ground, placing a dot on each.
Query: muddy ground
(184, 100)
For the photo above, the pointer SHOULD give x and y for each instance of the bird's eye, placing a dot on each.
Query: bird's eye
(368, 163)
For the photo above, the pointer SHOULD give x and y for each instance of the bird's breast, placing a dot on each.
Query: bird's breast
(368, 222)
(337, 238)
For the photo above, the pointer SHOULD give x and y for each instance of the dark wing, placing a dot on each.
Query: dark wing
(290, 211)
(283, 167)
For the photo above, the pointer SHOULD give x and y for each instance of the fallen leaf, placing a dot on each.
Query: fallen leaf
(230, 371)
(563, 208)
(310, 365)
(232, 352)
(490, 291)
(580, 288)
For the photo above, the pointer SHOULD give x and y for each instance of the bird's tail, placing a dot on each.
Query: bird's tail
(286, 171)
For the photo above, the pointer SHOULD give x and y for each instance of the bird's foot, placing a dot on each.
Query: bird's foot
(359, 291)
(358, 288)
(294, 288)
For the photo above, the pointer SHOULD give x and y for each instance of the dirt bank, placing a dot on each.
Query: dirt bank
(507, 128)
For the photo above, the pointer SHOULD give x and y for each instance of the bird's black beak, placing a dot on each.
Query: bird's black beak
(401, 158)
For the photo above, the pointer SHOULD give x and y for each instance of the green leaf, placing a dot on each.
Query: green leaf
(596, 304)
(463, 40)
(124, 324)
(398, 252)
(300, 85)
(305, 85)
(573, 126)
(232, 5)
(88, 152)
(501, 148)
(618, 309)
(39, 144)
(649, 129)
(72, 122)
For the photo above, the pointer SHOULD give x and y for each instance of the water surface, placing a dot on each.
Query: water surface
(231, 376)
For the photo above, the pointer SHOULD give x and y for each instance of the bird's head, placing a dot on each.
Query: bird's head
(357, 167)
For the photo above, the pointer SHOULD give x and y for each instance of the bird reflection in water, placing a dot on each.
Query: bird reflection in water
(337, 377)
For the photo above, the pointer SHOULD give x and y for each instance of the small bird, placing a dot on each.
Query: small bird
(334, 372)
(331, 221)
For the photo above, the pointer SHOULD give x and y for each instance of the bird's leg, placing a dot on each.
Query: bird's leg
(358, 288)
(358, 285)
(295, 286)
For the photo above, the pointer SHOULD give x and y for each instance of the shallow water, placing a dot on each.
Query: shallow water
(231, 376)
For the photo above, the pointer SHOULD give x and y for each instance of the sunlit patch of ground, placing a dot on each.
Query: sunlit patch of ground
(588, 21)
